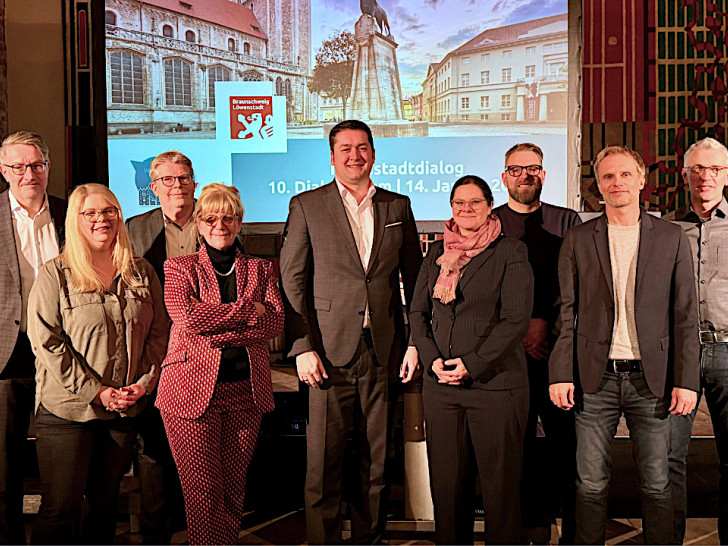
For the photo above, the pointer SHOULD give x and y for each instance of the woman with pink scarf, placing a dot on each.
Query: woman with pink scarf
(470, 311)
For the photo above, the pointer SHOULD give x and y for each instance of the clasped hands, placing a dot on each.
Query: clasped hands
(455, 376)
(121, 399)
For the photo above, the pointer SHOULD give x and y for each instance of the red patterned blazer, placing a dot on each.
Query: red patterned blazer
(202, 326)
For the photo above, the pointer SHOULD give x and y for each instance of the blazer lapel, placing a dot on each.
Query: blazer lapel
(7, 237)
(381, 210)
(601, 242)
(474, 265)
(209, 289)
(335, 206)
(647, 239)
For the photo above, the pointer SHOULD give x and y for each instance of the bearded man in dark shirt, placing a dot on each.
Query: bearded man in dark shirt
(548, 475)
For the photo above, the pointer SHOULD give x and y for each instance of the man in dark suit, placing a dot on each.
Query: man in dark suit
(31, 233)
(162, 233)
(345, 246)
(629, 306)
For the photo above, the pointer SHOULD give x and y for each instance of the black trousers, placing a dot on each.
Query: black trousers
(469, 430)
(17, 393)
(77, 459)
(162, 502)
(548, 487)
(354, 397)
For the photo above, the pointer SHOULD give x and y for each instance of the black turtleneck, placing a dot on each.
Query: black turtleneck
(234, 363)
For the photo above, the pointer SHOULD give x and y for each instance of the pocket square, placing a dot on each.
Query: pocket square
(392, 224)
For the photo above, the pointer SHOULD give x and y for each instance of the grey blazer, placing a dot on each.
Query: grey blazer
(11, 299)
(665, 307)
(325, 287)
(486, 322)
(146, 232)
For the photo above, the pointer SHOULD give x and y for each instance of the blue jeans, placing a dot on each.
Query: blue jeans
(714, 380)
(597, 417)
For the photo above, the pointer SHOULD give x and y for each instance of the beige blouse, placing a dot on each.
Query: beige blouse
(85, 340)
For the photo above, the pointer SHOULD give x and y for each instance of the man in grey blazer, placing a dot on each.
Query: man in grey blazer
(161, 233)
(628, 344)
(31, 233)
(345, 246)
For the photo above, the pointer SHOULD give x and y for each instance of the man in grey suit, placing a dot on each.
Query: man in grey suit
(162, 233)
(345, 246)
(31, 233)
(629, 306)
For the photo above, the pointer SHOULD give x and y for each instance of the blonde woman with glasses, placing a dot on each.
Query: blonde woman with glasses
(216, 383)
(99, 332)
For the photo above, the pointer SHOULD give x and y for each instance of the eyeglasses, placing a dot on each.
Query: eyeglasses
(211, 220)
(475, 204)
(698, 170)
(169, 180)
(91, 216)
(20, 169)
(516, 170)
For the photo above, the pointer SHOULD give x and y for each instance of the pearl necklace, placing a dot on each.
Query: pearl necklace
(225, 274)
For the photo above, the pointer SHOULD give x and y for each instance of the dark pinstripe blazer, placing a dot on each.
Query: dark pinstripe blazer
(11, 303)
(486, 322)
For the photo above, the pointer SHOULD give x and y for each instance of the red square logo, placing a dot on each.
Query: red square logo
(251, 117)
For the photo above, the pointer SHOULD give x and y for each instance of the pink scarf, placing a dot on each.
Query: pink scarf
(459, 250)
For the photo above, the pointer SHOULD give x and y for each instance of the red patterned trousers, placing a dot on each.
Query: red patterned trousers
(212, 454)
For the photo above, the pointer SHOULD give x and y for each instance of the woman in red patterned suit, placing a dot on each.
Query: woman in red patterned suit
(215, 383)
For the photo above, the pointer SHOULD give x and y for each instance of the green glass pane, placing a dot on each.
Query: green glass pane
(681, 77)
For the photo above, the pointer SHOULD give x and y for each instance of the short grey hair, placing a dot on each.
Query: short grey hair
(707, 143)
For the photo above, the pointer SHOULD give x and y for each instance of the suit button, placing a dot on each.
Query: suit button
(17, 322)
(361, 313)
(367, 279)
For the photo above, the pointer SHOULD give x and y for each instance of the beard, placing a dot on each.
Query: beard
(529, 194)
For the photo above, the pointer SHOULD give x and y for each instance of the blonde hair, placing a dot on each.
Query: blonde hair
(25, 137)
(76, 255)
(620, 150)
(219, 198)
(172, 156)
(524, 147)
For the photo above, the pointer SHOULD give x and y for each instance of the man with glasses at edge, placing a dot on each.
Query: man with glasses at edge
(161, 233)
(31, 233)
(705, 222)
(548, 475)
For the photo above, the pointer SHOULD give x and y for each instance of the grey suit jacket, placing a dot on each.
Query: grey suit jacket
(325, 287)
(146, 232)
(665, 307)
(11, 299)
(486, 322)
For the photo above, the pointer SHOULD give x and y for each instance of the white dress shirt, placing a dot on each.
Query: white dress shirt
(361, 220)
(36, 242)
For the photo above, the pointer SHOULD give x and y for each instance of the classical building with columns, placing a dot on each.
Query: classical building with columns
(163, 58)
(514, 73)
